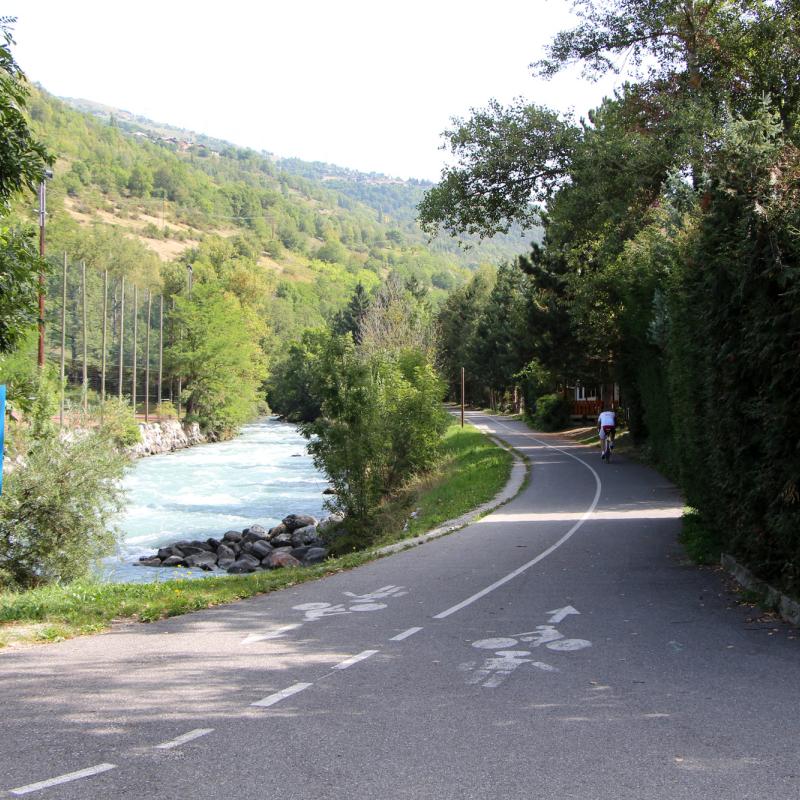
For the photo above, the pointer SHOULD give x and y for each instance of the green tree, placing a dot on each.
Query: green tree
(22, 168)
(217, 358)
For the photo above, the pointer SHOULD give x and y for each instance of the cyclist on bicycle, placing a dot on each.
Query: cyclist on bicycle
(606, 425)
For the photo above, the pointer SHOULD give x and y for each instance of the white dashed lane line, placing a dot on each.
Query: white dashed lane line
(405, 634)
(187, 737)
(355, 659)
(281, 695)
(72, 776)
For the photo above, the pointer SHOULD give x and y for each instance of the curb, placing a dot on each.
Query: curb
(519, 472)
(787, 608)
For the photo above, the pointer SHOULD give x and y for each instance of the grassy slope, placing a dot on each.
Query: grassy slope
(473, 471)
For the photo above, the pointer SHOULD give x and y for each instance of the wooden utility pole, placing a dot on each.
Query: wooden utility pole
(160, 343)
(105, 319)
(121, 333)
(63, 332)
(462, 397)
(147, 364)
(83, 292)
(135, 329)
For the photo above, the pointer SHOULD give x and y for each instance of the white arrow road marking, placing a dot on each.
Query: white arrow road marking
(72, 776)
(405, 634)
(355, 659)
(187, 737)
(560, 613)
(276, 634)
(281, 695)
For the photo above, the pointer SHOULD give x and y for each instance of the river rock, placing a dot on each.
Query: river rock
(261, 549)
(276, 530)
(204, 560)
(169, 552)
(329, 490)
(191, 550)
(281, 540)
(255, 534)
(326, 522)
(281, 559)
(245, 563)
(148, 562)
(181, 544)
(256, 529)
(202, 545)
(295, 521)
(232, 536)
(172, 561)
(213, 543)
(303, 536)
(223, 551)
(224, 563)
(315, 555)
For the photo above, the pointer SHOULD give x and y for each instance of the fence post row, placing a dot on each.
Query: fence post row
(79, 325)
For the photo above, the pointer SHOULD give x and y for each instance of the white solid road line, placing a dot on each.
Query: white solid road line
(281, 695)
(187, 737)
(405, 634)
(72, 776)
(549, 550)
(355, 659)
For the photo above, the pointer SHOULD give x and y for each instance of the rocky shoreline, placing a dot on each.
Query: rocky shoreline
(165, 437)
(300, 540)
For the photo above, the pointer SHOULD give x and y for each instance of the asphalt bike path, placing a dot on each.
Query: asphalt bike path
(560, 647)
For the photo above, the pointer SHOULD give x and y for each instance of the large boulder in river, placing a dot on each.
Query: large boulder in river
(295, 521)
(327, 522)
(205, 561)
(245, 563)
(281, 540)
(223, 552)
(255, 534)
(304, 536)
(261, 549)
(232, 536)
(315, 555)
(281, 559)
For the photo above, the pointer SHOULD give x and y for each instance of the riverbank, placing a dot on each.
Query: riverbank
(472, 473)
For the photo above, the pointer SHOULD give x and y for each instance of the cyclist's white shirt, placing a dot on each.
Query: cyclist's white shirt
(606, 418)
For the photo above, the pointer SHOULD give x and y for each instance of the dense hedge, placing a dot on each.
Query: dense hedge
(735, 353)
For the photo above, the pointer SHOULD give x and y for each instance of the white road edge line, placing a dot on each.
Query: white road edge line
(405, 634)
(549, 550)
(281, 695)
(187, 737)
(355, 659)
(72, 776)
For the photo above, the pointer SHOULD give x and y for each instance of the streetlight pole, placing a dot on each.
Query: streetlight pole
(48, 173)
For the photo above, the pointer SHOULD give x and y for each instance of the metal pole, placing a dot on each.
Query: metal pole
(41, 274)
(462, 397)
(121, 332)
(83, 292)
(63, 332)
(135, 328)
(147, 364)
(105, 318)
(160, 344)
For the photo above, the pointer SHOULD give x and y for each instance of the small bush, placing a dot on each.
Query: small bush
(552, 413)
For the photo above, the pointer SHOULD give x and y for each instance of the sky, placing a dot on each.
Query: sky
(364, 85)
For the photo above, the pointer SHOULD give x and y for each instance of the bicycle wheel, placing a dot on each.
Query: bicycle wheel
(608, 450)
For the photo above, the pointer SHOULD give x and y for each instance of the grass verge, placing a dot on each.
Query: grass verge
(473, 471)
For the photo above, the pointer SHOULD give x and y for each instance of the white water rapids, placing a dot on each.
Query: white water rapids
(261, 476)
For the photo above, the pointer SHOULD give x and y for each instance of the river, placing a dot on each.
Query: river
(260, 476)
